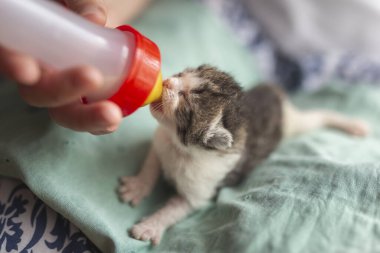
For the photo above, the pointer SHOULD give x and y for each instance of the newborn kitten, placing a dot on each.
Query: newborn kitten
(211, 134)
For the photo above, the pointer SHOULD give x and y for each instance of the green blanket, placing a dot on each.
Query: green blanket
(317, 193)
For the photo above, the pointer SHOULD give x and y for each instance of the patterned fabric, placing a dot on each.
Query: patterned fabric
(307, 71)
(27, 225)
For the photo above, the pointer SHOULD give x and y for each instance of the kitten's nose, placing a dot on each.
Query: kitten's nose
(171, 83)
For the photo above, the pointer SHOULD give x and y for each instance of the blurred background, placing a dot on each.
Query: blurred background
(305, 43)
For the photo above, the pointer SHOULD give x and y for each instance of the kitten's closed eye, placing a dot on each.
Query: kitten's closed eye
(198, 91)
(180, 74)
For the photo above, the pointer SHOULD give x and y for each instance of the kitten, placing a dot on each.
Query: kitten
(211, 134)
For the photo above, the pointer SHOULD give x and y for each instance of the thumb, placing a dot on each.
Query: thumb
(93, 10)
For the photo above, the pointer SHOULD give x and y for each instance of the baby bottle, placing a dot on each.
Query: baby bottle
(61, 39)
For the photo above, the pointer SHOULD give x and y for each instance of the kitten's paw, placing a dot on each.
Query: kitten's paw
(133, 189)
(357, 128)
(147, 231)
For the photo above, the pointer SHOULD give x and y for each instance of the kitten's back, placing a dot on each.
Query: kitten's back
(263, 114)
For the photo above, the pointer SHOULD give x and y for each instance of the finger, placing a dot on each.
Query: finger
(101, 117)
(93, 10)
(21, 68)
(61, 88)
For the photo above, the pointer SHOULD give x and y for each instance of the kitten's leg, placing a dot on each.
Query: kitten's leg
(297, 122)
(153, 227)
(134, 188)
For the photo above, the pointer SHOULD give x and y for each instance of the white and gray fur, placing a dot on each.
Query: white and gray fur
(211, 134)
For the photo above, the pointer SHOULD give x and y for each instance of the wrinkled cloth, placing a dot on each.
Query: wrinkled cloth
(28, 225)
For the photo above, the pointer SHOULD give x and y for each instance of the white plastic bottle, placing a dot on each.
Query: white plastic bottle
(62, 39)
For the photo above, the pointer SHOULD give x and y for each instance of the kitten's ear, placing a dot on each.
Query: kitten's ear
(218, 138)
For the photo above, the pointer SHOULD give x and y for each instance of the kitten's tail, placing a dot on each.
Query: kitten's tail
(298, 122)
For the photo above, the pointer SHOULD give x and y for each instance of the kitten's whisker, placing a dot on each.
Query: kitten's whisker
(172, 95)
(157, 105)
(156, 109)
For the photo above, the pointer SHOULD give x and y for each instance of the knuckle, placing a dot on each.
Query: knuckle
(30, 98)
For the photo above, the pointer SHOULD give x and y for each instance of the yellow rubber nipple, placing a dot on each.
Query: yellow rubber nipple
(156, 92)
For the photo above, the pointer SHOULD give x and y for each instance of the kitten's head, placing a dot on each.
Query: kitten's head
(201, 106)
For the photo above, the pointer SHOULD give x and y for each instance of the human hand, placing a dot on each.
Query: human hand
(60, 91)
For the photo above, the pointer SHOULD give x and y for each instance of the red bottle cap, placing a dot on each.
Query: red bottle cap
(143, 82)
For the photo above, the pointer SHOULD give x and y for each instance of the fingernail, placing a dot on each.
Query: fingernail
(111, 117)
(105, 128)
(94, 13)
(90, 10)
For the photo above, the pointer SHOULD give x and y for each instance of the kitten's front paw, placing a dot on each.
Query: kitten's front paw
(147, 231)
(133, 189)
